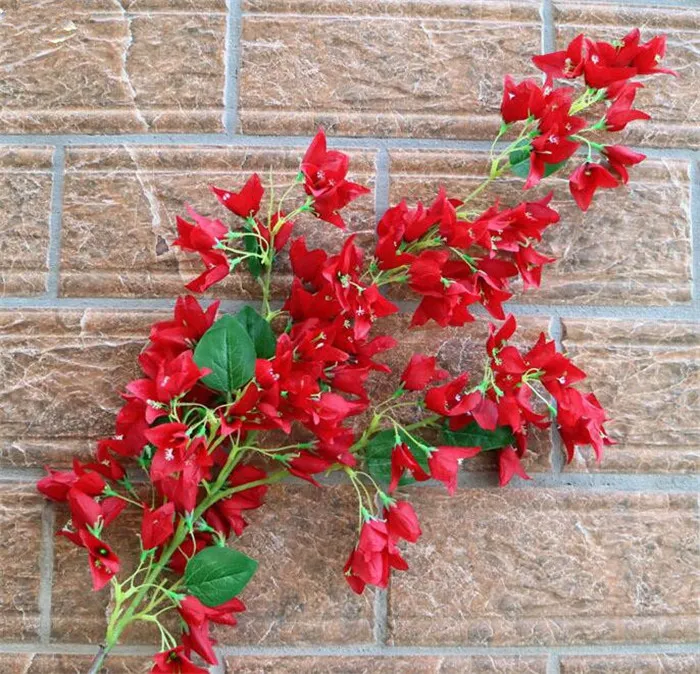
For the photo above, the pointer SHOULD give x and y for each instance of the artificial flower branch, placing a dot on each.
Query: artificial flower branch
(219, 391)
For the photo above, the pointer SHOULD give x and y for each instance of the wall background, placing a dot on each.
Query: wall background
(114, 112)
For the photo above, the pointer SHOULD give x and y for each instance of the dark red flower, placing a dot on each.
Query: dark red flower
(552, 147)
(402, 522)
(175, 661)
(444, 464)
(509, 465)
(245, 203)
(586, 179)
(402, 460)
(104, 564)
(621, 113)
(619, 157)
(157, 525)
(421, 371)
(568, 63)
(521, 101)
(324, 179)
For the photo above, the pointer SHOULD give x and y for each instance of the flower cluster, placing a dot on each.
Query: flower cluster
(229, 404)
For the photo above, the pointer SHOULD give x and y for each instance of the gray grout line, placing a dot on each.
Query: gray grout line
(232, 66)
(695, 228)
(553, 665)
(55, 223)
(382, 183)
(381, 616)
(548, 29)
(48, 523)
(370, 650)
(680, 312)
(249, 140)
(557, 455)
(219, 668)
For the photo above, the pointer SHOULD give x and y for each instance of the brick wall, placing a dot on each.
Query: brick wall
(113, 112)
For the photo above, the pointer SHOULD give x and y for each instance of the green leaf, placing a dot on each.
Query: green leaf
(228, 351)
(473, 435)
(519, 161)
(215, 575)
(378, 456)
(252, 245)
(259, 331)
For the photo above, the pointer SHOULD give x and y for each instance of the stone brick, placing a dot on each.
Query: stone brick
(386, 665)
(425, 69)
(302, 538)
(25, 194)
(672, 102)
(647, 375)
(543, 567)
(105, 67)
(608, 255)
(631, 664)
(458, 350)
(60, 375)
(20, 532)
(121, 203)
(36, 663)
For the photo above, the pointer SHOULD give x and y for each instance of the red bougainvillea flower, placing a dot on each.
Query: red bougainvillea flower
(245, 203)
(402, 460)
(402, 522)
(444, 464)
(619, 157)
(175, 661)
(421, 371)
(521, 100)
(586, 179)
(551, 147)
(324, 179)
(104, 564)
(621, 113)
(509, 465)
(376, 553)
(568, 63)
(157, 525)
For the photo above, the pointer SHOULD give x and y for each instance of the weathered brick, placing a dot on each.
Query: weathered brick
(302, 538)
(661, 663)
(20, 531)
(647, 375)
(36, 663)
(101, 67)
(25, 194)
(120, 206)
(60, 375)
(381, 68)
(608, 255)
(541, 567)
(672, 102)
(386, 665)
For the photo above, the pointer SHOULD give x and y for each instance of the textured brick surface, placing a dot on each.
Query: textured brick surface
(543, 567)
(386, 665)
(60, 375)
(594, 569)
(108, 67)
(36, 663)
(673, 103)
(20, 532)
(647, 374)
(609, 255)
(121, 203)
(25, 195)
(302, 538)
(388, 68)
(631, 664)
